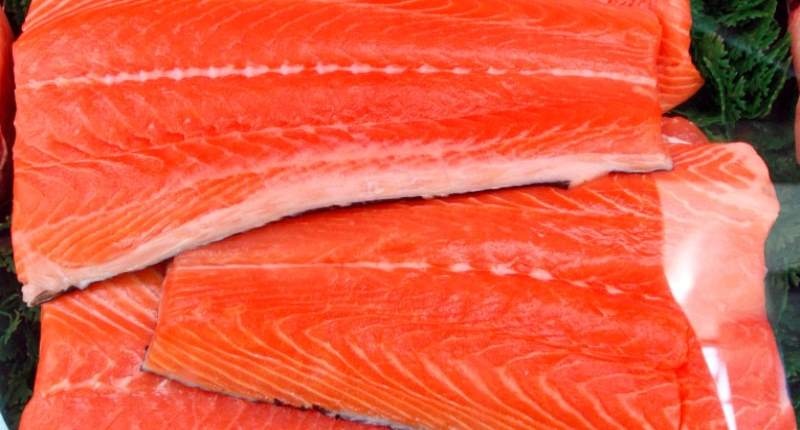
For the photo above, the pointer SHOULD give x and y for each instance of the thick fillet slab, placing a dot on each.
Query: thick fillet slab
(678, 79)
(89, 373)
(718, 209)
(242, 112)
(527, 308)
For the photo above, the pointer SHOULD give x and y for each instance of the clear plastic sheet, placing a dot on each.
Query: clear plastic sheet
(715, 234)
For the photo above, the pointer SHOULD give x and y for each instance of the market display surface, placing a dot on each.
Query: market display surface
(562, 248)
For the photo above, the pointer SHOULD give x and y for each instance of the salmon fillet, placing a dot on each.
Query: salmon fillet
(678, 79)
(531, 308)
(716, 221)
(246, 112)
(89, 373)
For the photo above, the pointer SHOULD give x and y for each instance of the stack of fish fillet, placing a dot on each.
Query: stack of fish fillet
(577, 260)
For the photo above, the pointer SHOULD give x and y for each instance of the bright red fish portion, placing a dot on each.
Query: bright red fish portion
(678, 79)
(90, 377)
(534, 307)
(246, 112)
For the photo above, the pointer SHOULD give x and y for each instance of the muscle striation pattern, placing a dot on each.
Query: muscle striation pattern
(247, 112)
(89, 375)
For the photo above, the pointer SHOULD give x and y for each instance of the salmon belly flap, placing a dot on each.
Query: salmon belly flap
(90, 377)
(534, 307)
(252, 111)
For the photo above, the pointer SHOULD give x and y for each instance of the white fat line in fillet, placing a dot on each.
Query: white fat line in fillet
(378, 265)
(119, 385)
(286, 69)
(497, 269)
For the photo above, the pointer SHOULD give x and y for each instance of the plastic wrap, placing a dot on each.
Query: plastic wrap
(715, 232)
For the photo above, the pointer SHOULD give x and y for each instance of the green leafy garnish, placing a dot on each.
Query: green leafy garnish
(743, 53)
(15, 11)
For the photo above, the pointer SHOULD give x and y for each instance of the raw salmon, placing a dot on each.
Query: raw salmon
(242, 112)
(718, 209)
(528, 308)
(89, 373)
(678, 79)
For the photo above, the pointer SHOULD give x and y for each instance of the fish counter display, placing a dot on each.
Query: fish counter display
(528, 240)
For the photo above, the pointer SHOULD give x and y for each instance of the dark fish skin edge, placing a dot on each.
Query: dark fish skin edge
(47, 296)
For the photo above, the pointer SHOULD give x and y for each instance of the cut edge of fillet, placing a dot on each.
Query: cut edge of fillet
(346, 416)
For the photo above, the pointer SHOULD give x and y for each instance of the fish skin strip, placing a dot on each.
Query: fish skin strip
(449, 312)
(89, 373)
(715, 229)
(505, 95)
